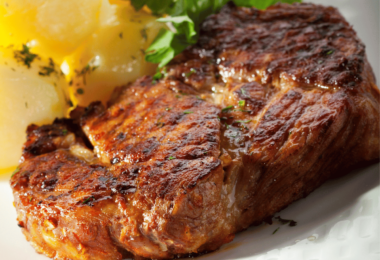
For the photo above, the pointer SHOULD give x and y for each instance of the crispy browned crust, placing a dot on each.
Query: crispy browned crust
(164, 170)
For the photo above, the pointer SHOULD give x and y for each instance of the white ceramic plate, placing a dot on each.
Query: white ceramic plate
(339, 221)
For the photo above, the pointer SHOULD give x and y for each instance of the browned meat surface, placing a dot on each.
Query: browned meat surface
(277, 102)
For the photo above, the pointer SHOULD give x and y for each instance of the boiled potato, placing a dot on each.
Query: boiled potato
(32, 90)
(98, 43)
(55, 27)
(114, 54)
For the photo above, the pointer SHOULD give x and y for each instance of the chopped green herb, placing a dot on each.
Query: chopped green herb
(30, 199)
(47, 70)
(84, 71)
(168, 108)
(177, 96)
(241, 103)
(80, 91)
(198, 97)
(161, 73)
(227, 108)
(274, 232)
(290, 132)
(171, 158)
(320, 61)
(64, 131)
(227, 126)
(191, 72)
(25, 56)
(330, 52)
(188, 112)
(15, 171)
(87, 200)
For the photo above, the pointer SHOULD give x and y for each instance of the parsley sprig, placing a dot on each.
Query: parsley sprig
(186, 17)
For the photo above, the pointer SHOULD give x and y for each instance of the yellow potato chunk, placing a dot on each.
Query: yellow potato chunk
(32, 90)
(55, 27)
(114, 54)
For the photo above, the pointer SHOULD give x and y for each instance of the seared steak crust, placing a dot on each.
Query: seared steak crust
(263, 110)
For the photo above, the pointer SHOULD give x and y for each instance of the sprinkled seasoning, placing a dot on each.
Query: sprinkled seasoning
(144, 34)
(86, 70)
(25, 56)
(47, 70)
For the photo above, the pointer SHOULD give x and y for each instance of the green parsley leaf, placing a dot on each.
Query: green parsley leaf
(188, 112)
(241, 103)
(261, 4)
(171, 158)
(185, 16)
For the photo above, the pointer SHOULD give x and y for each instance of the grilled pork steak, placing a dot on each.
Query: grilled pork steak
(263, 110)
